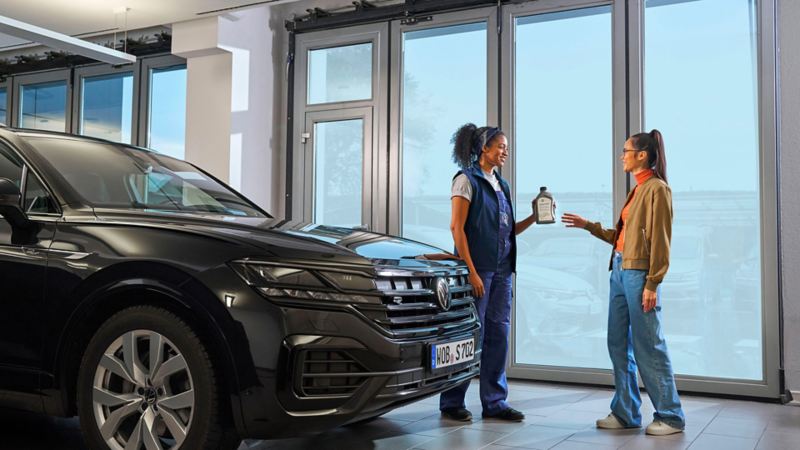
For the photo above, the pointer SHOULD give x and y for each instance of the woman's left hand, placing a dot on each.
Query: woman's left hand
(649, 299)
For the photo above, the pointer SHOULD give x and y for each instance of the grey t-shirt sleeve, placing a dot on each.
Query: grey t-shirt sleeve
(461, 187)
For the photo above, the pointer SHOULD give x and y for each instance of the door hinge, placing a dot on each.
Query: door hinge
(305, 137)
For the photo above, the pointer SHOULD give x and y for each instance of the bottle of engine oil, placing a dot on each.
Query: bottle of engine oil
(545, 207)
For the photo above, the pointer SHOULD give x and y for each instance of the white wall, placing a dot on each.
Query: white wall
(231, 93)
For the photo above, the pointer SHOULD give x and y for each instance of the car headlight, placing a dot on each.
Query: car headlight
(276, 280)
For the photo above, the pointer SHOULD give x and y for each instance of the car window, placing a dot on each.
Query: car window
(120, 176)
(37, 199)
(10, 166)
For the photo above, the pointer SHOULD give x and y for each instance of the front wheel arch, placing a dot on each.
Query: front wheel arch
(185, 302)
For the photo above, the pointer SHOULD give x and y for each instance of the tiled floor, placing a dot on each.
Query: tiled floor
(559, 417)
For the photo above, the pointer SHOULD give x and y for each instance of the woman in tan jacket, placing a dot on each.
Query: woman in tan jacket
(639, 261)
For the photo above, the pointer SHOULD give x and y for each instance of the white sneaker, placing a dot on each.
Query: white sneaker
(610, 422)
(659, 428)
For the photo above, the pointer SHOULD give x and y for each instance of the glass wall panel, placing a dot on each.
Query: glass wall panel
(443, 87)
(167, 116)
(107, 107)
(563, 140)
(701, 91)
(43, 106)
(340, 74)
(338, 173)
(3, 106)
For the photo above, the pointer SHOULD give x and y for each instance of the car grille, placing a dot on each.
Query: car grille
(410, 307)
(327, 373)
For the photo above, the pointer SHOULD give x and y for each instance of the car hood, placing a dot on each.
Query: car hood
(292, 240)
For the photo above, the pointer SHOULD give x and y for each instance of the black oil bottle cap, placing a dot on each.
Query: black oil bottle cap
(543, 188)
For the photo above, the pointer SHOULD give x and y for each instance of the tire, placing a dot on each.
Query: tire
(124, 403)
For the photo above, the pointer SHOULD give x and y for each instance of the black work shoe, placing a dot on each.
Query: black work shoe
(509, 414)
(459, 414)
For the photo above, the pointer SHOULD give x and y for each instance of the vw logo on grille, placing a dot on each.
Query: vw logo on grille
(443, 293)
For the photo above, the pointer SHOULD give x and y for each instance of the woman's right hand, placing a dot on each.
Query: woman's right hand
(477, 285)
(573, 220)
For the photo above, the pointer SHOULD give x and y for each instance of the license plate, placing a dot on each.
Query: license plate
(451, 353)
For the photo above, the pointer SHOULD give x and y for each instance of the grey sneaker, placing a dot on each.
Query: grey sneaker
(610, 422)
(659, 428)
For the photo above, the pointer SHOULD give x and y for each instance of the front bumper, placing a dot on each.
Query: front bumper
(335, 368)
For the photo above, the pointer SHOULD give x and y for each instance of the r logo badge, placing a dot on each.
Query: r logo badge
(442, 293)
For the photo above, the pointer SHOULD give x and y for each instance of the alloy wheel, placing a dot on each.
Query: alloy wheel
(143, 393)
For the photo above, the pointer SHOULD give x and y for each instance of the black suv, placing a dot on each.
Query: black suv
(168, 311)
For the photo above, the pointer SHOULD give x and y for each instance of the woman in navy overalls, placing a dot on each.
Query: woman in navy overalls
(484, 233)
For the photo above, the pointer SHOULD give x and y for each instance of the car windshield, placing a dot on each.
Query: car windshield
(117, 176)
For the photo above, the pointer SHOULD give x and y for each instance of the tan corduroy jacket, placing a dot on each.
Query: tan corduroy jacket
(648, 231)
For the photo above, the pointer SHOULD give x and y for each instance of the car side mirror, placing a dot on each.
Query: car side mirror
(10, 204)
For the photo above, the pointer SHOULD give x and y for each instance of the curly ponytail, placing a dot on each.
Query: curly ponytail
(462, 145)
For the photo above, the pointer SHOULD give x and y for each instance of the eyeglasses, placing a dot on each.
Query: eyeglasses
(625, 150)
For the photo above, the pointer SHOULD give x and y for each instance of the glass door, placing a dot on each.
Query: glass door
(562, 139)
(336, 177)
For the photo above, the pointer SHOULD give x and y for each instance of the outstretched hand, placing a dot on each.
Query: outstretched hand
(573, 220)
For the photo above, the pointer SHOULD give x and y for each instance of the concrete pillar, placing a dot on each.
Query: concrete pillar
(229, 98)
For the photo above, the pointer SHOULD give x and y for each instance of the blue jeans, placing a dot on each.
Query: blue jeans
(494, 313)
(635, 337)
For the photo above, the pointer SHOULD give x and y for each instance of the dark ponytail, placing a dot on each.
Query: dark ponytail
(468, 142)
(462, 145)
(653, 144)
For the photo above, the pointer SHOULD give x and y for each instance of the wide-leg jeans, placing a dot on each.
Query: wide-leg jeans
(635, 340)
(494, 313)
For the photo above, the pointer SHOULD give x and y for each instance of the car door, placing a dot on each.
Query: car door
(23, 261)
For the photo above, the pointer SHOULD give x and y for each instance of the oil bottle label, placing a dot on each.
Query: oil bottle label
(544, 210)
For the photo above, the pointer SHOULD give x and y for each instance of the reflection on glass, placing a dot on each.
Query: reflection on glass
(3, 105)
(338, 159)
(43, 106)
(435, 104)
(167, 119)
(106, 107)
(340, 74)
(563, 111)
(701, 92)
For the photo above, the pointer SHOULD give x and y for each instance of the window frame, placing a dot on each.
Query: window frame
(7, 85)
(34, 78)
(84, 72)
(143, 94)
(360, 113)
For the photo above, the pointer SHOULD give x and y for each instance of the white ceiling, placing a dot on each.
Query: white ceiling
(92, 17)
